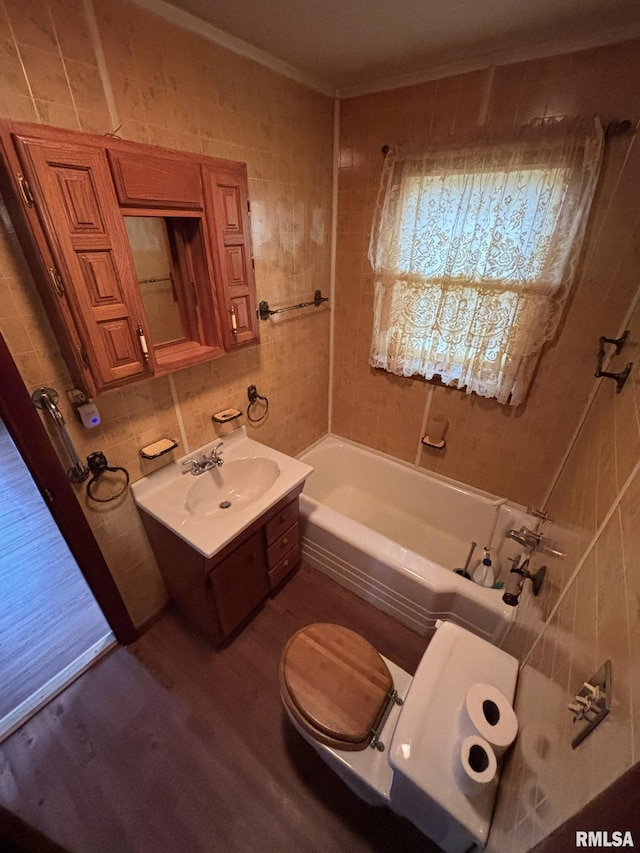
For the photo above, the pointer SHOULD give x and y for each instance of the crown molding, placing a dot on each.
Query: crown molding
(474, 62)
(480, 61)
(193, 24)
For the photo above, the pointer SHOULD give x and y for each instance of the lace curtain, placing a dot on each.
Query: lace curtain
(474, 248)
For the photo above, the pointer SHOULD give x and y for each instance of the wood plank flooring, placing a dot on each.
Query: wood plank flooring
(172, 746)
(48, 616)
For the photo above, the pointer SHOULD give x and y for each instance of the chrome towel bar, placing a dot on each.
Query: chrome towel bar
(46, 399)
(264, 312)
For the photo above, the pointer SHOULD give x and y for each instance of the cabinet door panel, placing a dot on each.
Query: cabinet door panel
(148, 180)
(226, 190)
(240, 582)
(79, 200)
(230, 207)
(78, 210)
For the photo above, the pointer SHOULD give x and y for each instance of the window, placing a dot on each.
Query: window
(473, 249)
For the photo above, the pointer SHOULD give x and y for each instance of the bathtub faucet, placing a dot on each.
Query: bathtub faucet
(532, 539)
(526, 537)
(199, 466)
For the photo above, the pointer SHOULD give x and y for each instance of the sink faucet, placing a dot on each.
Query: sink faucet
(206, 462)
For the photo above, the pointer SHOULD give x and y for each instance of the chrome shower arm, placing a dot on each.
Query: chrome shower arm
(46, 399)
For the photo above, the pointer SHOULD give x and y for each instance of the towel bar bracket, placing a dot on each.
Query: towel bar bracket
(620, 377)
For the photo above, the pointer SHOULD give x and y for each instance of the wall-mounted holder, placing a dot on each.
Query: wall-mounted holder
(439, 445)
(264, 312)
(158, 448)
(254, 400)
(98, 464)
(436, 430)
(621, 377)
(592, 703)
(226, 415)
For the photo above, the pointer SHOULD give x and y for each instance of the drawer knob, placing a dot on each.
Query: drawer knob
(286, 564)
(285, 541)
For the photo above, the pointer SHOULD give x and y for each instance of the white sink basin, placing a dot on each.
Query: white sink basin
(231, 486)
(209, 510)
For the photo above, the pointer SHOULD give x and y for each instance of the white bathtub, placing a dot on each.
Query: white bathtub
(393, 534)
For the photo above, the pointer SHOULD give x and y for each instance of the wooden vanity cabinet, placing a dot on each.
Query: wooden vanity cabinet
(73, 196)
(238, 583)
(216, 595)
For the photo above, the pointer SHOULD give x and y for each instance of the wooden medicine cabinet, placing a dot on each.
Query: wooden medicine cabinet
(142, 255)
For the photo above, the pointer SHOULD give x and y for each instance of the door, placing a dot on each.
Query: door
(28, 460)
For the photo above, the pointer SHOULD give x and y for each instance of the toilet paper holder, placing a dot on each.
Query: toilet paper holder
(592, 703)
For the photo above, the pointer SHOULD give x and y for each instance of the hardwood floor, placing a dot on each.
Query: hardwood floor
(48, 617)
(172, 746)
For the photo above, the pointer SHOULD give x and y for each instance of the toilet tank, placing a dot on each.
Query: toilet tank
(425, 747)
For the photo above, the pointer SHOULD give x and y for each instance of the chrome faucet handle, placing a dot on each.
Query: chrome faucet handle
(214, 456)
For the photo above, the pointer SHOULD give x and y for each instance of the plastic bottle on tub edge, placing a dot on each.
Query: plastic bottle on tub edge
(483, 574)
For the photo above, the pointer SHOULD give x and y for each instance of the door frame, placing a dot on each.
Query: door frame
(32, 441)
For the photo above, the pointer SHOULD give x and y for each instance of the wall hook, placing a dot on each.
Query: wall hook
(621, 377)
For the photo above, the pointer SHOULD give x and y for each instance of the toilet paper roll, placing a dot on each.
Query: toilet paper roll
(488, 713)
(476, 765)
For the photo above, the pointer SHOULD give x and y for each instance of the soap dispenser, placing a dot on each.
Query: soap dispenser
(483, 574)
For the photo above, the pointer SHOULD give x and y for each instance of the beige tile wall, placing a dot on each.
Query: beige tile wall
(588, 612)
(167, 86)
(514, 452)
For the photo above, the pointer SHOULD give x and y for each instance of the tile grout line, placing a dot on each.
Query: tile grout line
(178, 413)
(96, 43)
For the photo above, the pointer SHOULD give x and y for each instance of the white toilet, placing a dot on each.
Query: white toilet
(336, 687)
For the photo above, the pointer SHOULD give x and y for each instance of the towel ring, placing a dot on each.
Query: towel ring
(253, 395)
(97, 463)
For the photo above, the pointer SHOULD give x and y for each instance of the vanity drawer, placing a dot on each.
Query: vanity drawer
(288, 540)
(286, 565)
(281, 521)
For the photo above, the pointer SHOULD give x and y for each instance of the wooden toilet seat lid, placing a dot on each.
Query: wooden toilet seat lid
(336, 680)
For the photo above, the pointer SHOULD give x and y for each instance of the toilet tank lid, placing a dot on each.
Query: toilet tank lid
(428, 728)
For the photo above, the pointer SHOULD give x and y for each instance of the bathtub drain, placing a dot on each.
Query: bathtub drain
(224, 504)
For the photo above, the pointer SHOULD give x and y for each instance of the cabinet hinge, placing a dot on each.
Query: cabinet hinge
(248, 207)
(58, 286)
(82, 355)
(25, 189)
(253, 263)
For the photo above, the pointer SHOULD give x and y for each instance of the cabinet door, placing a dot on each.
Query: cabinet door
(165, 180)
(240, 582)
(227, 194)
(78, 211)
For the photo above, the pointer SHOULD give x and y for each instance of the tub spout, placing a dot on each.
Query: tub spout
(526, 537)
(533, 540)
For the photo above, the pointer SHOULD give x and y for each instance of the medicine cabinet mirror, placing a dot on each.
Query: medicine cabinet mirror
(142, 255)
